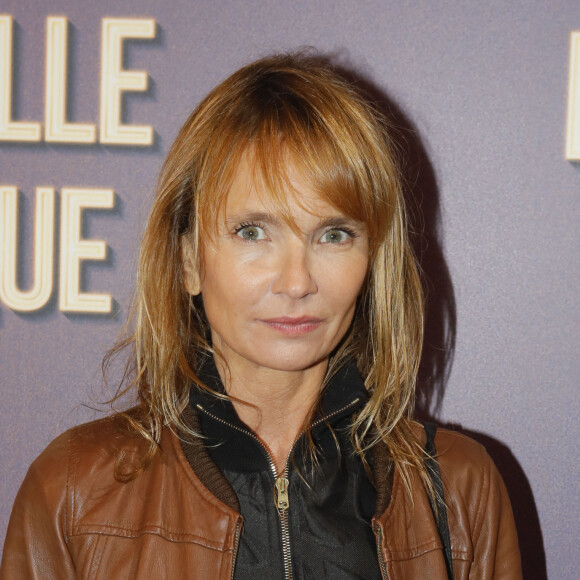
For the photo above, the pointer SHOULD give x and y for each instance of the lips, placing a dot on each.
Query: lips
(293, 326)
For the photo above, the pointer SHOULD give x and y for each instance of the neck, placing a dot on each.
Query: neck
(274, 404)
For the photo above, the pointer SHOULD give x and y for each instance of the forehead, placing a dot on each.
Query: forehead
(287, 197)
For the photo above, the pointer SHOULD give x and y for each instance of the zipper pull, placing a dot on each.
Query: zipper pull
(282, 499)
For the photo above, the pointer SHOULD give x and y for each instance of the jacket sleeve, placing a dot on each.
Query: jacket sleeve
(36, 547)
(495, 542)
(479, 510)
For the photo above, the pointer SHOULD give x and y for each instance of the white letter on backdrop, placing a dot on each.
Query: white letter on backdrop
(573, 125)
(11, 130)
(56, 128)
(115, 81)
(73, 249)
(39, 294)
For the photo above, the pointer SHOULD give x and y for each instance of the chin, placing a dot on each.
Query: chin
(290, 362)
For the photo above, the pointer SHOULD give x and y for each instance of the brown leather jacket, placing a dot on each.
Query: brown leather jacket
(72, 519)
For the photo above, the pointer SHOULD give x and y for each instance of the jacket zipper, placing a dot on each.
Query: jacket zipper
(283, 504)
(281, 485)
(382, 563)
(236, 545)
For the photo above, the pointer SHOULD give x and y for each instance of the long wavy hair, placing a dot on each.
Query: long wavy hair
(285, 105)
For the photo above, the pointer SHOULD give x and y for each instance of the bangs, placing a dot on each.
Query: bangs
(338, 150)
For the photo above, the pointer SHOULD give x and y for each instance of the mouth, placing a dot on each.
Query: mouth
(291, 326)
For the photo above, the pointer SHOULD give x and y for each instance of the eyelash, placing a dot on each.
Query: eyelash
(352, 233)
(245, 225)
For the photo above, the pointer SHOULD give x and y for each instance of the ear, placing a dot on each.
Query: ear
(191, 277)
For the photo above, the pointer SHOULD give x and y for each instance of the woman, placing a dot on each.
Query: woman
(278, 330)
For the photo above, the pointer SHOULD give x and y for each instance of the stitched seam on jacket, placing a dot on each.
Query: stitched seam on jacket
(416, 551)
(97, 556)
(104, 530)
(148, 528)
(67, 492)
(429, 546)
(405, 556)
(485, 487)
(464, 555)
(73, 460)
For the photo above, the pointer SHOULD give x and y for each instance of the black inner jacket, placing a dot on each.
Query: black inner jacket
(331, 503)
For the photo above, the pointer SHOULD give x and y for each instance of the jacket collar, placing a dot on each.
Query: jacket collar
(345, 386)
(230, 442)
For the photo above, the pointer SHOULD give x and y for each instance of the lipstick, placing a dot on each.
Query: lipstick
(293, 326)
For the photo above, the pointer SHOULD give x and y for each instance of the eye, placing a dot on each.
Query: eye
(250, 232)
(337, 236)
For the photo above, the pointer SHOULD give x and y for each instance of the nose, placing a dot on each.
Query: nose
(294, 276)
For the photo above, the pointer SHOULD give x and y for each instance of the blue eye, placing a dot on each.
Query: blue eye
(335, 236)
(250, 232)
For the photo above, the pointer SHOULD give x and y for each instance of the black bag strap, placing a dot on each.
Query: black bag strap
(438, 507)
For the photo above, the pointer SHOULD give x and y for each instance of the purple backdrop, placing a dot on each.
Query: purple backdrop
(481, 91)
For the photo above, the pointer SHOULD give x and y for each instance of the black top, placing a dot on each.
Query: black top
(331, 502)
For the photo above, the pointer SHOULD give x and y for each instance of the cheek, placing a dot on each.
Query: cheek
(229, 283)
(344, 282)
(214, 285)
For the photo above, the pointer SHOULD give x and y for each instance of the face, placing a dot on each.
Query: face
(275, 296)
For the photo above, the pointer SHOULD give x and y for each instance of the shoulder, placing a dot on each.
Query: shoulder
(472, 485)
(481, 527)
(81, 455)
(478, 505)
(476, 496)
(77, 475)
(70, 497)
(58, 488)
(459, 456)
(90, 445)
(78, 464)
(73, 481)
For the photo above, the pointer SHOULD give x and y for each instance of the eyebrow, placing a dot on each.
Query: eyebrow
(253, 216)
(334, 221)
(337, 221)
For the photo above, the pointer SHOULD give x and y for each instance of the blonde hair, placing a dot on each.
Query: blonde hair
(293, 105)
